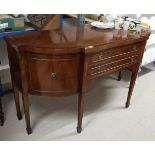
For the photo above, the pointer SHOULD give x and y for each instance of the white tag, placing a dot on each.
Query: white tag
(3, 26)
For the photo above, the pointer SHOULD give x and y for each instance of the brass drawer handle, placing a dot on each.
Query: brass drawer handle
(100, 57)
(53, 76)
(131, 60)
(134, 49)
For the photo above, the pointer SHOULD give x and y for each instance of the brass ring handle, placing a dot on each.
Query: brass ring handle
(100, 57)
(132, 60)
(134, 49)
(53, 76)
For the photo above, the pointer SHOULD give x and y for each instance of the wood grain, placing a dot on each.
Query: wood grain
(60, 63)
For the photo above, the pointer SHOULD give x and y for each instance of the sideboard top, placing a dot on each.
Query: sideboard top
(76, 37)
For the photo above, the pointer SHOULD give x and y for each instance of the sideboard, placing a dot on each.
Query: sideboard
(68, 61)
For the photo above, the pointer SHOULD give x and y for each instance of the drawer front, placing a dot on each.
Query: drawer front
(114, 53)
(111, 60)
(58, 75)
(100, 69)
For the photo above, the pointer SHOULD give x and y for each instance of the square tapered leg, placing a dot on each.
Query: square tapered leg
(1, 114)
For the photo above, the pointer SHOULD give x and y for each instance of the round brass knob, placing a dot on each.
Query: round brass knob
(100, 57)
(134, 49)
(132, 60)
(53, 76)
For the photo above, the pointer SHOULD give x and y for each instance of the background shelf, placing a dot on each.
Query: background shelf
(3, 55)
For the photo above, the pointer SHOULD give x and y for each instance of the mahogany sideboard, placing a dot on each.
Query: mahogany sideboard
(68, 61)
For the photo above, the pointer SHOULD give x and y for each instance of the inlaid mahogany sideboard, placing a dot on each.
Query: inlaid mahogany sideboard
(68, 61)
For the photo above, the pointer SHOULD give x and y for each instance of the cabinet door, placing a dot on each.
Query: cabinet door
(53, 75)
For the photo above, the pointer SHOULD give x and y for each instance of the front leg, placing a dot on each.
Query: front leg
(119, 76)
(1, 114)
(81, 100)
(132, 83)
(17, 102)
(27, 113)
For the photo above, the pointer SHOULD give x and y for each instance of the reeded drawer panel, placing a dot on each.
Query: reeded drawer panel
(114, 52)
(112, 59)
(99, 69)
(53, 75)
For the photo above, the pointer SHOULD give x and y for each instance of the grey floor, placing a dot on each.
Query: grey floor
(105, 117)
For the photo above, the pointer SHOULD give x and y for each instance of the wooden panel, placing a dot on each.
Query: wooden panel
(44, 21)
(85, 37)
(57, 75)
(53, 23)
(104, 55)
(112, 66)
(14, 66)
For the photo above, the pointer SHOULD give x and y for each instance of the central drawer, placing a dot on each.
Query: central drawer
(100, 69)
(108, 54)
(56, 75)
(113, 59)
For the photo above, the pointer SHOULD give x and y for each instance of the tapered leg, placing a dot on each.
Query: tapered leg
(119, 76)
(81, 100)
(17, 102)
(27, 113)
(132, 83)
(1, 114)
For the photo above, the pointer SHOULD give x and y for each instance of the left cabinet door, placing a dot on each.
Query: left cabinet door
(53, 75)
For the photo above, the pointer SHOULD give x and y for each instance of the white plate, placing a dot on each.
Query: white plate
(102, 25)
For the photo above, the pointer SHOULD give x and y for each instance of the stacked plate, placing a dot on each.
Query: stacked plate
(102, 25)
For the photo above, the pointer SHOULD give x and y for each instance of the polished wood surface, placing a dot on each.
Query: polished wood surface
(68, 61)
(75, 38)
(65, 82)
